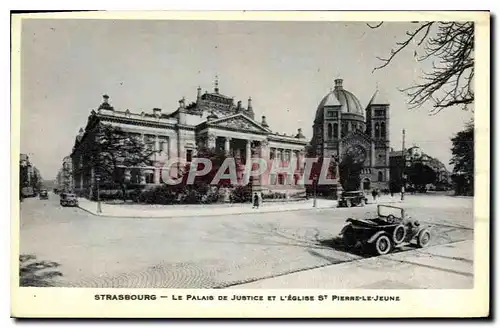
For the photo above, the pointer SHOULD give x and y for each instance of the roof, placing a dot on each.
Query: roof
(378, 99)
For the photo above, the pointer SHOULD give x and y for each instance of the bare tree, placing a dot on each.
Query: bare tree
(450, 47)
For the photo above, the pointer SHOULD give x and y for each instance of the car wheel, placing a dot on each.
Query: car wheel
(423, 238)
(349, 237)
(362, 203)
(348, 203)
(383, 245)
(399, 234)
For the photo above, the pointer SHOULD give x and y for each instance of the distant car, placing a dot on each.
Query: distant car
(68, 199)
(352, 198)
(28, 192)
(390, 229)
(44, 194)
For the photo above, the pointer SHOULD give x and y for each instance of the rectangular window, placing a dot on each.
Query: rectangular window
(379, 112)
(150, 178)
(332, 113)
(163, 144)
(189, 155)
(150, 141)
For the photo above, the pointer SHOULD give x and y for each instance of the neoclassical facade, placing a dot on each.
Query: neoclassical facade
(213, 120)
(342, 127)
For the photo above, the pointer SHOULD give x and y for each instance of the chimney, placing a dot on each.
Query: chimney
(238, 106)
(105, 99)
(338, 84)
(299, 134)
(198, 95)
(264, 123)
(157, 112)
(249, 103)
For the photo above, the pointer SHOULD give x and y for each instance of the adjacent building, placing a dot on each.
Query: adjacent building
(65, 175)
(343, 127)
(29, 176)
(212, 120)
(399, 162)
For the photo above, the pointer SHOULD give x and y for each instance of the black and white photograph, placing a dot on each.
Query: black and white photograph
(249, 155)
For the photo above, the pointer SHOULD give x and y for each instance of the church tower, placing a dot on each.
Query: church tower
(377, 127)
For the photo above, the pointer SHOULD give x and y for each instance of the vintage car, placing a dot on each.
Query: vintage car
(44, 194)
(68, 199)
(390, 229)
(352, 198)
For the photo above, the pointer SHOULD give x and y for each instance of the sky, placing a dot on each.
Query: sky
(286, 67)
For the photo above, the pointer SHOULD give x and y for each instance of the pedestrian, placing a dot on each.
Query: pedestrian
(374, 194)
(255, 201)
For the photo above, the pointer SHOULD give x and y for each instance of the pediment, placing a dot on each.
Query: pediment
(238, 122)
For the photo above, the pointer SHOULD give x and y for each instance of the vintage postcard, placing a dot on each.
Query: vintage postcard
(250, 164)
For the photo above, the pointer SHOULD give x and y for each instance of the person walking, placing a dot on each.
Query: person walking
(374, 194)
(255, 200)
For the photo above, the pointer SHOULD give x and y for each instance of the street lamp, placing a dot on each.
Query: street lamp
(315, 187)
(99, 209)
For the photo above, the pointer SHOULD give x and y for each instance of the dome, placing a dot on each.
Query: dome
(340, 97)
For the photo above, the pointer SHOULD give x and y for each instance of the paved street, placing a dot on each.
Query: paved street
(207, 252)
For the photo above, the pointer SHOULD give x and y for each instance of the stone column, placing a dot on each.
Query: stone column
(211, 140)
(248, 151)
(264, 150)
(372, 153)
(142, 177)
(157, 175)
(227, 145)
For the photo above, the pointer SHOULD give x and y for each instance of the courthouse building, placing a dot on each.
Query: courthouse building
(343, 127)
(212, 120)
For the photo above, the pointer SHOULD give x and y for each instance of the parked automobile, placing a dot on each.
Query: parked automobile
(391, 228)
(28, 192)
(352, 198)
(44, 194)
(68, 199)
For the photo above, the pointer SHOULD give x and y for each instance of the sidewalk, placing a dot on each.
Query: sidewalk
(447, 266)
(165, 211)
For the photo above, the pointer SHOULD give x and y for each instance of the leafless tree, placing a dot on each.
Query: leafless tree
(450, 47)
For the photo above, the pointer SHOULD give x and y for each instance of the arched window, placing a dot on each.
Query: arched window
(335, 130)
(382, 130)
(344, 129)
(329, 131)
(366, 184)
(377, 130)
(380, 176)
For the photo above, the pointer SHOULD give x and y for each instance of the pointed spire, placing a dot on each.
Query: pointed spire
(198, 95)
(378, 99)
(216, 89)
